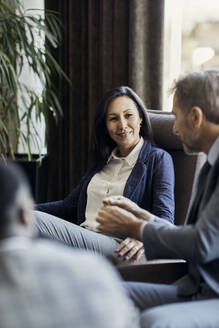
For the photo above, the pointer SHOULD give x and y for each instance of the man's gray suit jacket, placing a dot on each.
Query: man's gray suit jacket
(196, 242)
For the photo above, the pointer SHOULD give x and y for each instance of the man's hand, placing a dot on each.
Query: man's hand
(119, 222)
(128, 205)
(130, 249)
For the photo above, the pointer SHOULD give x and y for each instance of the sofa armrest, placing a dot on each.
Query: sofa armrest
(156, 271)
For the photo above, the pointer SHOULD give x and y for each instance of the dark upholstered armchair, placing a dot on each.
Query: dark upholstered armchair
(186, 168)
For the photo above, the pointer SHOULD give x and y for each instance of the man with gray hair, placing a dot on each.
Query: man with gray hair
(46, 284)
(193, 301)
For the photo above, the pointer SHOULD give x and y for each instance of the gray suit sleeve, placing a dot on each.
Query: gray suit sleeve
(197, 243)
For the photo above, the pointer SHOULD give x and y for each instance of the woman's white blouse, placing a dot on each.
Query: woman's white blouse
(108, 182)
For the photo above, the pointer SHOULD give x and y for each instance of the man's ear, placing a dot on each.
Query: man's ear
(23, 217)
(26, 220)
(196, 117)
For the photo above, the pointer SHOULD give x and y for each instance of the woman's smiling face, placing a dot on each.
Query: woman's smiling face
(123, 123)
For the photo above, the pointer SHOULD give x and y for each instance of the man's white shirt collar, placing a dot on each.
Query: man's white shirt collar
(15, 243)
(213, 152)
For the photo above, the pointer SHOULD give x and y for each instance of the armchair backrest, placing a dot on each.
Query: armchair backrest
(186, 166)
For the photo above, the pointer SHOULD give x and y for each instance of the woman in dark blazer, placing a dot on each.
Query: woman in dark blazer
(125, 162)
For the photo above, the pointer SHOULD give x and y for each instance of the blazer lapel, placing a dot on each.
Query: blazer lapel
(134, 179)
(138, 171)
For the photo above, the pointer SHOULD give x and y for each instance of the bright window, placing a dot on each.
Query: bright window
(28, 77)
(191, 40)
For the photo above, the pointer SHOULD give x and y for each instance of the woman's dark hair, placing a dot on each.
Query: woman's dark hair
(102, 144)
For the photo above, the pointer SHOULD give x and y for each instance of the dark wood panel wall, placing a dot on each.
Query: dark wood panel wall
(106, 43)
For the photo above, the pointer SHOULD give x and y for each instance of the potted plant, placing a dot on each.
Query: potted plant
(20, 105)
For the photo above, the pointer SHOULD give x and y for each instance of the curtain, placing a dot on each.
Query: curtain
(106, 43)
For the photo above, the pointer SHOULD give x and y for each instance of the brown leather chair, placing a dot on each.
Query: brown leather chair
(186, 169)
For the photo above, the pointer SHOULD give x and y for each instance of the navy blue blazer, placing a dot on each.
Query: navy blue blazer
(150, 185)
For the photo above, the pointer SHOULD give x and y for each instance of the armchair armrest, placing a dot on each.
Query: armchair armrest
(156, 271)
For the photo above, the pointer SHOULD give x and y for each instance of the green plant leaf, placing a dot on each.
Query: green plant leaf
(18, 44)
